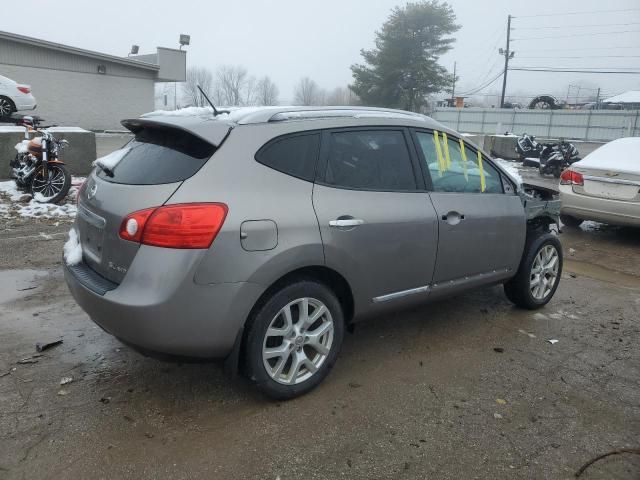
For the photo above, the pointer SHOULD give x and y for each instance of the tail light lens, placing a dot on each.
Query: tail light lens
(187, 225)
(571, 177)
(24, 89)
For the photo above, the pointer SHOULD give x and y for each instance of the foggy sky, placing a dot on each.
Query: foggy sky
(288, 39)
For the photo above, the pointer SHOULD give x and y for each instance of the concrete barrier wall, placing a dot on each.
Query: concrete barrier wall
(78, 156)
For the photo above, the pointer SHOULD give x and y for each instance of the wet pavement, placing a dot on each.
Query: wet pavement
(464, 388)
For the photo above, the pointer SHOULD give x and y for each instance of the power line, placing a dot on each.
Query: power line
(586, 56)
(584, 68)
(564, 27)
(578, 13)
(579, 49)
(577, 35)
(556, 70)
(477, 89)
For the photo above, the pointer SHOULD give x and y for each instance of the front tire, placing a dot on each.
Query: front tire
(294, 339)
(539, 273)
(52, 186)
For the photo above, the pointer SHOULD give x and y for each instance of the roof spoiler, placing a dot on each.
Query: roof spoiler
(211, 131)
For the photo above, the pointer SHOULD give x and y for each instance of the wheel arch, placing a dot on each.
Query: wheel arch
(320, 273)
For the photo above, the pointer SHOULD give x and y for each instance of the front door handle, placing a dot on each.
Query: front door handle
(350, 222)
(453, 218)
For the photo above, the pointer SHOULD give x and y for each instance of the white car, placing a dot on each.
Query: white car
(15, 97)
(604, 186)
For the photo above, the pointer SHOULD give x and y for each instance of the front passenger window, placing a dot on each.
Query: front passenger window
(454, 167)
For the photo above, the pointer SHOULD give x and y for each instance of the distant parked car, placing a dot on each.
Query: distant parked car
(261, 235)
(15, 97)
(604, 186)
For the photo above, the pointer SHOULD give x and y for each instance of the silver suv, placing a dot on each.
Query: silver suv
(259, 236)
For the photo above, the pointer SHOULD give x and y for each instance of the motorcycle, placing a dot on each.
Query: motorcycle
(527, 147)
(554, 158)
(37, 168)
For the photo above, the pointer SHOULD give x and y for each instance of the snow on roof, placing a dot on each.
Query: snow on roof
(632, 96)
(620, 155)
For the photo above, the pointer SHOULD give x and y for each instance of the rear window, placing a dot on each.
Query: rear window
(160, 155)
(294, 155)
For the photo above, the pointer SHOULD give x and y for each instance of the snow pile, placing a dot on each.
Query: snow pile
(110, 161)
(72, 249)
(620, 155)
(510, 168)
(11, 129)
(66, 129)
(182, 112)
(18, 204)
(22, 146)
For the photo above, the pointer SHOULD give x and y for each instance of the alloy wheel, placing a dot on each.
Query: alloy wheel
(544, 272)
(298, 341)
(5, 108)
(50, 184)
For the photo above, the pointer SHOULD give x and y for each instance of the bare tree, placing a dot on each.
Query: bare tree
(197, 76)
(266, 92)
(342, 96)
(307, 92)
(232, 82)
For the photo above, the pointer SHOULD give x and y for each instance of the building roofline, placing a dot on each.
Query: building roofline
(77, 51)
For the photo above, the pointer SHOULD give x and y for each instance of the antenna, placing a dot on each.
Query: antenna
(216, 112)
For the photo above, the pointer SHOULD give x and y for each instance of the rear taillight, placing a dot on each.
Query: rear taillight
(571, 177)
(24, 89)
(186, 225)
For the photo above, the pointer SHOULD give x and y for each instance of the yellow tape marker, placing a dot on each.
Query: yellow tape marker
(483, 184)
(463, 154)
(447, 155)
(436, 141)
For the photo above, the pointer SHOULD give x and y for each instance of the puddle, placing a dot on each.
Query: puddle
(15, 284)
(601, 273)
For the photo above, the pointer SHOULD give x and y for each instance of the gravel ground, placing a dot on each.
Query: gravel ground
(464, 388)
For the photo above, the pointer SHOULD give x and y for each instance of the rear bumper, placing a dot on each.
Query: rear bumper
(616, 212)
(25, 102)
(152, 311)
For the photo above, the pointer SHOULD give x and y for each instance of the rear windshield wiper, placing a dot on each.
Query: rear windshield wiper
(107, 171)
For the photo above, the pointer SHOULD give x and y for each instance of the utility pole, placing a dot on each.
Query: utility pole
(598, 99)
(508, 55)
(453, 90)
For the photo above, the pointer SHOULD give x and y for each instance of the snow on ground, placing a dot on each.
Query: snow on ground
(510, 168)
(17, 204)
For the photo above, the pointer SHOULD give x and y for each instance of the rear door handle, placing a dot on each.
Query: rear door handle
(352, 222)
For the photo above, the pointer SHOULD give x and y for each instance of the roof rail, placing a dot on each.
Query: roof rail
(342, 113)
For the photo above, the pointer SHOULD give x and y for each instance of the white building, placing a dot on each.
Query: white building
(84, 88)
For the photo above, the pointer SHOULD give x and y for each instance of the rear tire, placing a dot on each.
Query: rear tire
(570, 221)
(7, 107)
(285, 356)
(538, 276)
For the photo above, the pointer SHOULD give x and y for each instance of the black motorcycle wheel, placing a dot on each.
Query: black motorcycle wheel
(557, 171)
(52, 186)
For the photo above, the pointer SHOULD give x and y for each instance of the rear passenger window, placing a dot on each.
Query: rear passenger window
(454, 167)
(294, 155)
(370, 160)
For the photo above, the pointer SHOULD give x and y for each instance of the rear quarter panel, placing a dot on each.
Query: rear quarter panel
(252, 192)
